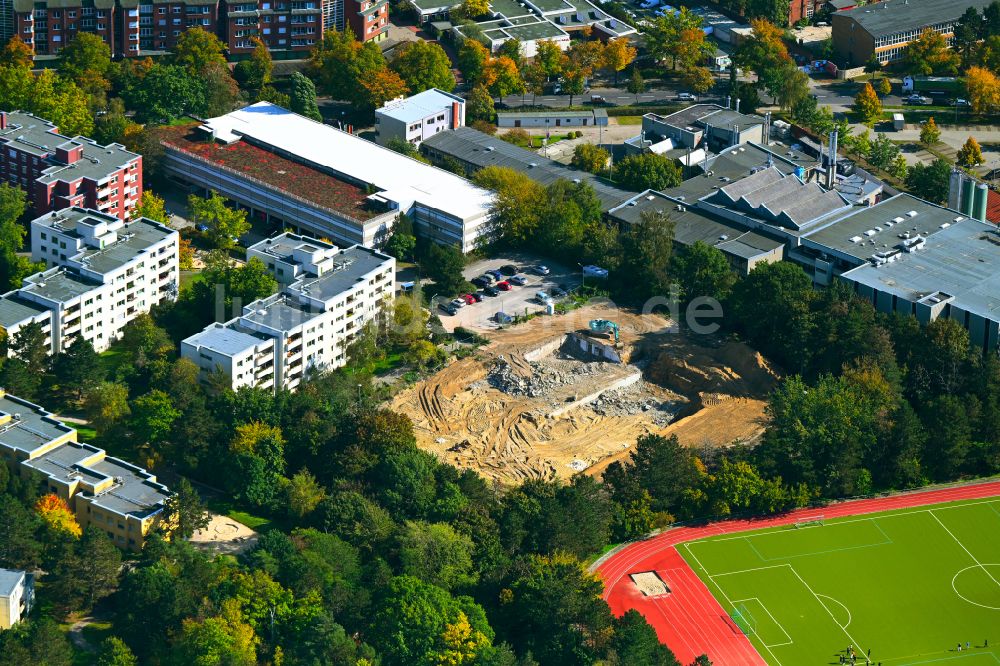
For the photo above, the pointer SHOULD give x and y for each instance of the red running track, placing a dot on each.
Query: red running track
(689, 620)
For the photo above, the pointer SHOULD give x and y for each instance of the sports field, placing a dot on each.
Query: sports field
(909, 585)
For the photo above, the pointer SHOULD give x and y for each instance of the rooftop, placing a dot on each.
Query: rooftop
(961, 260)
(702, 115)
(849, 235)
(14, 310)
(399, 178)
(227, 339)
(780, 198)
(58, 285)
(350, 266)
(30, 426)
(278, 313)
(9, 581)
(552, 113)
(299, 179)
(286, 245)
(482, 150)
(731, 165)
(135, 493)
(894, 16)
(39, 137)
(419, 106)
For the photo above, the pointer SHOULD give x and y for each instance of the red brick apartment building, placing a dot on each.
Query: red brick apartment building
(800, 9)
(48, 26)
(369, 19)
(156, 26)
(57, 171)
(283, 25)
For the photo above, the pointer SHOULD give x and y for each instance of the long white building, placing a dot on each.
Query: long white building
(101, 273)
(327, 297)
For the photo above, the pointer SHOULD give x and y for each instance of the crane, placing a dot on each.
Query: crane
(604, 326)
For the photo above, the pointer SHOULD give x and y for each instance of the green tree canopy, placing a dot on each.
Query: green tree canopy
(423, 65)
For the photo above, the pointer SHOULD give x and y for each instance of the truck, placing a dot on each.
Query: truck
(934, 86)
(898, 122)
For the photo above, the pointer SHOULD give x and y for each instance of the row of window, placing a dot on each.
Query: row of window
(910, 35)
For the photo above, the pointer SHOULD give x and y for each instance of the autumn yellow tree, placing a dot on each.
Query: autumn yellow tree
(618, 55)
(983, 88)
(929, 133)
(929, 54)
(867, 105)
(884, 86)
(971, 153)
(54, 511)
(381, 86)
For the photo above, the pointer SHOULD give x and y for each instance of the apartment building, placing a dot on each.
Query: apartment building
(48, 26)
(57, 171)
(885, 29)
(152, 26)
(283, 25)
(369, 19)
(17, 596)
(101, 274)
(123, 500)
(419, 116)
(322, 181)
(307, 326)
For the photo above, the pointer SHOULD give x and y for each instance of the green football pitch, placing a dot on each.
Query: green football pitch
(909, 585)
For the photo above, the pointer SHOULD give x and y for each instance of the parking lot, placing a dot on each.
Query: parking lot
(517, 301)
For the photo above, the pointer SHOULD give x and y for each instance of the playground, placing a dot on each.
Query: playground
(912, 578)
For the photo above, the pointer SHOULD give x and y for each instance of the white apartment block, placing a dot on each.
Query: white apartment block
(100, 274)
(415, 118)
(17, 596)
(327, 297)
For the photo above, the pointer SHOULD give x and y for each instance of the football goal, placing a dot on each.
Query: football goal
(811, 521)
(744, 619)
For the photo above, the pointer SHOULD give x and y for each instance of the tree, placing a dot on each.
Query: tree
(89, 573)
(883, 152)
(479, 105)
(39, 641)
(703, 270)
(15, 85)
(86, 60)
(474, 8)
(534, 80)
(618, 54)
(635, 642)
(303, 97)
(930, 181)
(444, 264)
(502, 77)
(60, 101)
(15, 53)
(55, 513)
(701, 80)
(516, 204)
(765, 53)
(437, 554)
(647, 171)
(114, 652)
(78, 368)
(152, 207)
(590, 158)
(153, 415)
(929, 133)
(255, 72)
(423, 65)
(549, 55)
(793, 86)
(884, 86)
(225, 225)
(166, 93)
(867, 105)
(379, 87)
(221, 91)
(184, 513)
(303, 494)
(929, 55)
(983, 88)
(513, 49)
(196, 49)
(646, 250)
(105, 405)
(13, 267)
(968, 31)
(224, 640)
(971, 154)
(636, 84)
(472, 59)
(19, 548)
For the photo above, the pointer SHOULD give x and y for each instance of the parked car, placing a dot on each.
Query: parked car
(201, 227)
(959, 102)
(542, 297)
(448, 309)
(598, 99)
(687, 97)
(504, 286)
(557, 292)
(480, 282)
(491, 291)
(458, 303)
(488, 277)
(469, 299)
(480, 295)
(542, 270)
(918, 100)
(519, 280)
(495, 274)
(595, 271)
(476, 296)
(508, 269)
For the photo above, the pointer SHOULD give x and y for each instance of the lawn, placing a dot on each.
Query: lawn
(629, 120)
(909, 585)
(225, 507)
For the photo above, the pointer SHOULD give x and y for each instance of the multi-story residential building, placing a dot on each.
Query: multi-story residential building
(322, 181)
(415, 118)
(57, 171)
(17, 596)
(369, 19)
(153, 26)
(308, 325)
(121, 499)
(884, 29)
(283, 25)
(48, 26)
(102, 273)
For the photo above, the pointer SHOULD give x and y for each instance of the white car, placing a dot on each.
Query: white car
(595, 271)
(687, 97)
(457, 303)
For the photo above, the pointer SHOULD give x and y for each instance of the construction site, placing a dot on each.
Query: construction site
(572, 393)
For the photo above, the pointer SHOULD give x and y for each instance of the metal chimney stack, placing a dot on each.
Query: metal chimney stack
(737, 105)
(729, 102)
(831, 168)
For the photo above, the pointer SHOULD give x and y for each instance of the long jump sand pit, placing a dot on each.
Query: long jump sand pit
(547, 399)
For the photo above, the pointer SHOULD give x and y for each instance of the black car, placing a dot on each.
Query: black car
(448, 308)
(480, 282)
(477, 296)
(509, 269)
(491, 291)
(557, 292)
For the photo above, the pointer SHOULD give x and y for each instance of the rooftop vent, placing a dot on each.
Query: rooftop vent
(912, 213)
(856, 239)
(958, 219)
(723, 237)
(897, 219)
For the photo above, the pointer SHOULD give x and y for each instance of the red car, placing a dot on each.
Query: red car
(469, 298)
(503, 286)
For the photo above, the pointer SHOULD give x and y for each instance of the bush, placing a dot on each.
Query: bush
(517, 136)
(484, 127)
(578, 134)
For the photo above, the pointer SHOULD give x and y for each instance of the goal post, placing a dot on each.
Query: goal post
(810, 521)
(744, 619)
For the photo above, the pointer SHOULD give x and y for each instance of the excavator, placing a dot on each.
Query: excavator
(604, 326)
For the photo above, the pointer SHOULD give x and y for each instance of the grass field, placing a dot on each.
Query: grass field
(908, 584)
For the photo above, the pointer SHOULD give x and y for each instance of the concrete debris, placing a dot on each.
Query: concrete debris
(544, 376)
(636, 399)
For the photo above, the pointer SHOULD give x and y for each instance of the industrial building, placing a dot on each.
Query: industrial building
(691, 133)
(328, 296)
(102, 274)
(120, 499)
(322, 181)
(553, 118)
(419, 116)
(884, 29)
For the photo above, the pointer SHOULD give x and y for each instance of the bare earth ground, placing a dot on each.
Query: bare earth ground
(224, 536)
(512, 418)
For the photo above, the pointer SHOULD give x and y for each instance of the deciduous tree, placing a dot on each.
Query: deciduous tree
(647, 171)
(196, 48)
(929, 133)
(971, 153)
(423, 65)
(590, 157)
(225, 225)
(929, 54)
(55, 513)
(867, 105)
(618, 55)
(983, 88)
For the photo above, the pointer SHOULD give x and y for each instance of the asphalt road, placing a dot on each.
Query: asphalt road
(614, 97)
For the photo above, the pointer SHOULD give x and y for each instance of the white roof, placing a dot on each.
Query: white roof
(224, 339)
(399, 178)
(419, 106)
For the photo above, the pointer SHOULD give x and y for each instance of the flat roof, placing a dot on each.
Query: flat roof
(227, 339)
(14, 310)
(135, 492)
(419, 106)
(351, 265)
(134, 236)
(58, 284)
(400, 178)
(553, 113)
(10, 580)
(848, 234)
(278, 312)
(34, 427)
(65, 461)
(527, 31)
(961, 260)
(890, 17)
(481, 150)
